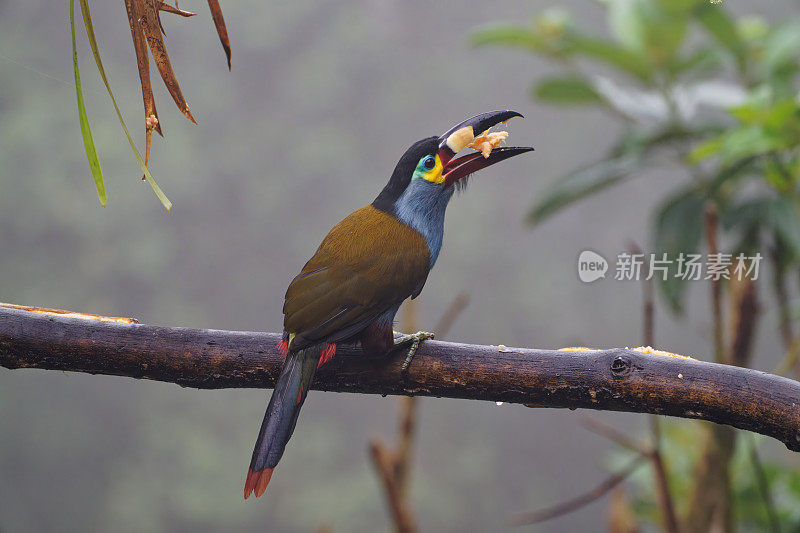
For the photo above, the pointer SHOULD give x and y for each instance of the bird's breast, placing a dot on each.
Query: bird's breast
(422, 207)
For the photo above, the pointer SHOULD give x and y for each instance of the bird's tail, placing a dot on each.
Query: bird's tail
(281, 416)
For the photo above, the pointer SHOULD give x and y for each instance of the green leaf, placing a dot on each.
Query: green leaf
(701, 62)
(780, 173)
(778, 214)
(610, 53)
(679, 223)
(580, 184)
(781, 47)
(706, 149)
(664, 30)
(678, 229)
(748, 141)
(625, 23)
(87, 22)
(554, 36)
(650, 28)
(731, 172)
(752, 28)
(508, 35)
(786, 223)
(571, 90)
(783, 116)
(633, 142)
(752, 212)
(737, 144)
(86, 132)
(749, 113)
(717, 22)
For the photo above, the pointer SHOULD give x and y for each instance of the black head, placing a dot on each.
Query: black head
(403, 172)
(433, 159)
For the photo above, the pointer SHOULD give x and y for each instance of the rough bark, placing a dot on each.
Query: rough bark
(616, 379)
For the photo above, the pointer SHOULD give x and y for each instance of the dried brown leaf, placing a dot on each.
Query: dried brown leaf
(219, 22)
(148, 135)
(152, 29)
(174, 10)
(133, 7)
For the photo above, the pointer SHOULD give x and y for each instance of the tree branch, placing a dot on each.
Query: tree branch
(606, 486)
(616, 379)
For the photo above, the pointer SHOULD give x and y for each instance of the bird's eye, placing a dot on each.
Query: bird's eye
(429, 162)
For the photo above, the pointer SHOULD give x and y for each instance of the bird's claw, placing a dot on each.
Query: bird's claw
(414, 339)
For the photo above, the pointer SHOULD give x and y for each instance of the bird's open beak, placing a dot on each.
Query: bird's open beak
(461, 135)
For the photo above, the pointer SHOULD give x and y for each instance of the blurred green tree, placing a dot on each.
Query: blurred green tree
(714, 98)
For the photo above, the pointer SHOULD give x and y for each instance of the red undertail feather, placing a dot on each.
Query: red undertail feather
(326, 354)
(283, 346)
(257, 482)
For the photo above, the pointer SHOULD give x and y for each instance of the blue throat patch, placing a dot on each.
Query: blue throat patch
(422, 206)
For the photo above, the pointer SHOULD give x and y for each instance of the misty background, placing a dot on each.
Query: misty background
(323, 98)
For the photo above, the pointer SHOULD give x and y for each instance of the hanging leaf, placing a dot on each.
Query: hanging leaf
(778, 214)
(678, 230)
(737, 144)
(624, 59)
(143, 63)
(625, 23)
(174, 10)
(786, 223)
(152, 29)
(569, 90)
(781, 47)
(701, 62)
(652, 29)
(87, 22)
(717, 22)
(508, 35)
(730, 173)
(146, 31)
(222, 31)
(86, 132)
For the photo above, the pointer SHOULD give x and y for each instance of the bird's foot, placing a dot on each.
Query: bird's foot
(414, 339)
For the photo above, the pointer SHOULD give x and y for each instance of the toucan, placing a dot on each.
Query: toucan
(367, 265)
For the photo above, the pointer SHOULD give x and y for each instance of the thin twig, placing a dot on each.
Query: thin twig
(393, 466)
(408, 413)
(660, 479)
(613, 434)
(763, 487)
(453, 311)
(711, 230)
(744, 316)
(648, 301)
(533, 517)
(781, 292)
(790, 358)
(710, 502)
(384, 462)
(621, 516)
(407, 430)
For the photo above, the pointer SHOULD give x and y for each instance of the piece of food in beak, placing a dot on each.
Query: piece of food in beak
(488, 141)
(460, 139)
(487, 144)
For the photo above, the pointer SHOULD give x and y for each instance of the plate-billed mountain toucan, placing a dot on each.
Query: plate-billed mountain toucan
(366, 266)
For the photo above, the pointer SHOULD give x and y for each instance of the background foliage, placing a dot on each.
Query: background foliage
(713, 98)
